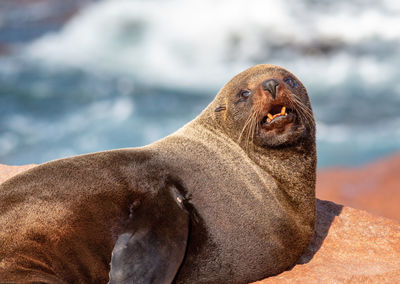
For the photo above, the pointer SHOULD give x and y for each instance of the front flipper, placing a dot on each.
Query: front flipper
(152, 245)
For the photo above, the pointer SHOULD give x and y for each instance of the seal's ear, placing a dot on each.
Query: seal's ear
(151, 247)
(220, 108)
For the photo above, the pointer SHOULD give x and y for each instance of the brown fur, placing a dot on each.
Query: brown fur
(252, 204)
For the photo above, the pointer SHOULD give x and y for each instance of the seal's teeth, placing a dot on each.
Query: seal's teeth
(283, 110)
(270, 116)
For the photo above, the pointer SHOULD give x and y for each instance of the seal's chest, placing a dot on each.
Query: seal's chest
(233, 233)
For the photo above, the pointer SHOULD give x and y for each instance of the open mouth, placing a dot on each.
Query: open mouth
(275, 112)
(278, 115)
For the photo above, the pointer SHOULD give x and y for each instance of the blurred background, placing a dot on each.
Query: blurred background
(79, 76)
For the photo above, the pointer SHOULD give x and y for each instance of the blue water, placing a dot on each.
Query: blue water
(126, 73)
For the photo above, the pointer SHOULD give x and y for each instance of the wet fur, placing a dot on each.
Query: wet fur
(251, 207)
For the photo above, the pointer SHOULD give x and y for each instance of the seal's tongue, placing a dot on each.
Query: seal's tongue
(282, 113)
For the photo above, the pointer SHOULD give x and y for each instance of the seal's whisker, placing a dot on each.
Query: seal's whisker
(294, 105)
(250, 128)
(300, 110)
(304, 111)
(241, 132)
(253, 127)
(308, 117)
(305, 108)
(252, 118)
(243, 129)
(245, 125)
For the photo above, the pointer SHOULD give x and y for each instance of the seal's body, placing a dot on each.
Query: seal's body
(227, 198)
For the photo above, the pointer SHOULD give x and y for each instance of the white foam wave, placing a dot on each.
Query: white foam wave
(203, 43)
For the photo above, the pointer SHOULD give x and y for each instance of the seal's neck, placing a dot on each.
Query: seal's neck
(293, 167)
(294, 170)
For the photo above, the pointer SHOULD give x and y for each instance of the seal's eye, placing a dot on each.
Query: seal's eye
(244, 94)
(291, 82)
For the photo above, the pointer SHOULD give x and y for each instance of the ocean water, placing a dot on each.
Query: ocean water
(126, 73)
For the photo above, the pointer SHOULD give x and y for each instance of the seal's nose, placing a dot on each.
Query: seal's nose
(270, 85)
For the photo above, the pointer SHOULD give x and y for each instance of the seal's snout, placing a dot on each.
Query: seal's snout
(270, 85)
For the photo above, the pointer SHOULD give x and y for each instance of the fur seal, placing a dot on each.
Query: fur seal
(228, 198)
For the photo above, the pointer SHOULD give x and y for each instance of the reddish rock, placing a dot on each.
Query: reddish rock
(8, 171)
(374, 187)
(349, 246)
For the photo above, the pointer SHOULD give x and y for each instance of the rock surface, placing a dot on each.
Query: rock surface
(349, 246)
(8, 171)
(374, 187)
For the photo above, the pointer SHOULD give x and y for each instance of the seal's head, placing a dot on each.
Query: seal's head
(265, 104)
